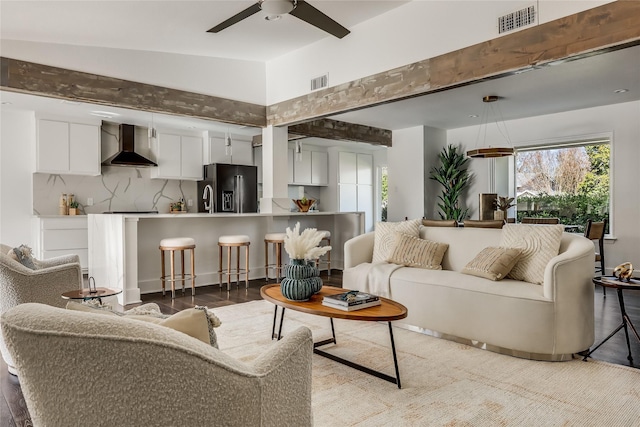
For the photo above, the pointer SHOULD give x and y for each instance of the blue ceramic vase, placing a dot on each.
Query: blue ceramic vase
(301, 280)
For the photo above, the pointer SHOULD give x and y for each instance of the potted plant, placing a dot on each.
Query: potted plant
(175, 207)
(453, 175)
(503, 203)
(73, 208)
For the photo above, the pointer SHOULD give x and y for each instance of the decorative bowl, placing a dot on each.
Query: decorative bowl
(304, 206)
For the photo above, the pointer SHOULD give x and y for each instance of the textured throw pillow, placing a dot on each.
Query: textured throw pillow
(384, 239)
(412, 251)
(198, 322)
(24, 255)
(539, 243)
(493, 263)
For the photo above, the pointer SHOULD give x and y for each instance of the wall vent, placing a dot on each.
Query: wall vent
(518, 19)
(320, 82)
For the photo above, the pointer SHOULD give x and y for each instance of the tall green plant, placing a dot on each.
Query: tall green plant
(454, 177)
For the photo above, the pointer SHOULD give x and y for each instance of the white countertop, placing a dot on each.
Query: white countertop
(229, 215)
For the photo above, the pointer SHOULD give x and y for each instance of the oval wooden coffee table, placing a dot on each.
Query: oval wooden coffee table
(387, 311)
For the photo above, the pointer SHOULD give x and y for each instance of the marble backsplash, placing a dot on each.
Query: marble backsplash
(117, 189)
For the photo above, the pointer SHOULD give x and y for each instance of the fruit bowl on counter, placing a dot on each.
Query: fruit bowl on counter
(304, 204)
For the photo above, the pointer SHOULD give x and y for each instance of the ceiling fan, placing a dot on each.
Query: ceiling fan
(298, 8)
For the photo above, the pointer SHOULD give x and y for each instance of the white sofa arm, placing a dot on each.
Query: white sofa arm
(358, 250)
(568, 283)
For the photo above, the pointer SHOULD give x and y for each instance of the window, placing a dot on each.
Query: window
(569, 181)
(384, 193)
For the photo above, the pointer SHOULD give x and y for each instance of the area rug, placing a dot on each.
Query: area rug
(443, 383)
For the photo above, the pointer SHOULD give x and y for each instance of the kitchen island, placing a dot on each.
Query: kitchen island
(124, 254)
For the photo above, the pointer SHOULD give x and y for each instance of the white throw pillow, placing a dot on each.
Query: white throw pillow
(413, 251)
(385, 237)
(539, 243)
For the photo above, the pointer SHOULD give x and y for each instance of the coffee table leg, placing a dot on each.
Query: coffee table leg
(281, 321)
(395, 358)
(273, 326)
(357, 366)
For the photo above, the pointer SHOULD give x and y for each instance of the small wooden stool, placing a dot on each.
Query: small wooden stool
(327, 238)
(172, 245)
(277, 239)
(229, 242)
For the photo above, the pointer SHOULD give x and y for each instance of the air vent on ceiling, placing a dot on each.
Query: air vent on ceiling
(517, 19)
(320, 82)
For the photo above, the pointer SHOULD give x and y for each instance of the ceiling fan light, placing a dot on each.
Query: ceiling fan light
(272, 17)
(277, 7)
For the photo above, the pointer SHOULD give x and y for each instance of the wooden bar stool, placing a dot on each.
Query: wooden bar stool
(172, 245)
(326, 238)
(277, 239)
(229, 242)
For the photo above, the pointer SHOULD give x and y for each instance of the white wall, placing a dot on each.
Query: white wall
(434, 141)
(17, 154)
(227, 78)
(406, 34)
(622, 121)
(405, 162)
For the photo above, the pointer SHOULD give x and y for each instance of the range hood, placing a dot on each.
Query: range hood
(127, 155)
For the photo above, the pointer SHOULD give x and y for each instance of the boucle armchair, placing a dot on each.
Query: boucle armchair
(78, 368)
(19, 284)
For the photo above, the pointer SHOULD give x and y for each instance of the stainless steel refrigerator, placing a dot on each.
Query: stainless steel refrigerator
(228, 188)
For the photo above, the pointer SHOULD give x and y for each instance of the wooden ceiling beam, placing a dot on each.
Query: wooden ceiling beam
(342, 131)
(54, 82)
(337, 131)
(601, 29)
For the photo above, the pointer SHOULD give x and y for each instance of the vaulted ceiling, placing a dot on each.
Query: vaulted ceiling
(181, 26)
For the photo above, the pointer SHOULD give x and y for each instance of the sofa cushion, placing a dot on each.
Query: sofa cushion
(493, 263)
(198, 322)
(539, 243)
(412, 251)
(24, 255)
(384, 240)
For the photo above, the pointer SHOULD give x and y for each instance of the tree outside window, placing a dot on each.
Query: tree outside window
(570, 182)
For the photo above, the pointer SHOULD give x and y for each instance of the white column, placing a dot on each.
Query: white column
(275, 196)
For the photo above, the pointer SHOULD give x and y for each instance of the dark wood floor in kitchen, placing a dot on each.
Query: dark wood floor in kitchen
(13, 410)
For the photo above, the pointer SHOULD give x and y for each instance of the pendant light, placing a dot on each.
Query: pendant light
(491, 151)
(152, 134)
(298, 151)
(228, 150)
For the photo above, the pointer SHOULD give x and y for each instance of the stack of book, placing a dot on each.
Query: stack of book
(349, 301)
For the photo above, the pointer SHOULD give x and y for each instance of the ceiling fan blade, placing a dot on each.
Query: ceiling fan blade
(236, 18)
(313, 16)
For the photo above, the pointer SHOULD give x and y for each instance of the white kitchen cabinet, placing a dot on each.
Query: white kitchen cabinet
(348, 168)
(178, 157)
(67, 148)
(355, 185)
(302, 168)
(365, 168)
(241, 151)
(63, 235)
(257, 161)
(319, 168)
(290, 160)
(311, 169)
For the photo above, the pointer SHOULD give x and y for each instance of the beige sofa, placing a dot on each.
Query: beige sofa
(82, 369)
(548, 322)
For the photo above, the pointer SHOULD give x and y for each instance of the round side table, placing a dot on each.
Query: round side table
(619, 286)
(86, 294)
